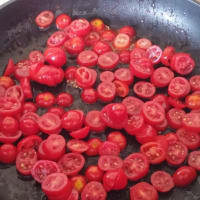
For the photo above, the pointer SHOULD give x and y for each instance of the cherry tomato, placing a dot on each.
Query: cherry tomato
(41, 154)
(87, 58)
(146, 134)
(77, 146)
(193, 101)
(106, 91)
(78, 182)
(189, 138)
(124, 75)
(133, 105)
(64, 99)
(70, 73)
(80, 133)
(162, 76)
(136, 166)
(109, 148)
(72, 120)
(107, 76)
(10, 138)
(70, 33)
(162, 181)
(97, 25)
(94, 121)
(15, 92)
(101, 47)
(25, 161)
(36, 57)
(81, 27)
(44, 19)
(10, 68)
(124, 56)
(154, 152)
(55, 56)
(43, 168)
(143, 43)
(30, 142)
(94, 144)
(191, 121)
(108, 60)
(122, 88)
(118, 138)
(193, 160)
(178, 87)
(114, 115)
(92, 38)
(45, 99)
(121, 41)
(154, 53)
(144, 89)
(115, 180)
(57, 39)
(141, 68)
(93, 173)
(62, 21)
(184, 176)
(108, 35)
(109, 162)
(128, 30)
(89, 95)
(71, 163)
(167, 54)
(50, 123)
(9, 125)
(8, 153)
(195, 82)
(143, 191)
(26, 87)
(176, 103)
(138, 53)
(176, 153)
(153, 112)
(94, 190)
(57, 185)
(182, 63)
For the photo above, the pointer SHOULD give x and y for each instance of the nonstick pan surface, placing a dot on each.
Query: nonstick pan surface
(172, 22)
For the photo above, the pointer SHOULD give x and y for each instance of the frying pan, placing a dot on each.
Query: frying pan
(172, 22)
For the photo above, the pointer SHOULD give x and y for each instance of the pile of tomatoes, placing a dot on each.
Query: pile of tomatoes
(57, 164)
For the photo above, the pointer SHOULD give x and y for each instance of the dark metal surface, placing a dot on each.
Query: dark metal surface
(172, 22)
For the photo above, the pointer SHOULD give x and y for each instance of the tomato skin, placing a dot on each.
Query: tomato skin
(108, 35)
(89, 95)
(118, 138)
(128, 30)
(193, 160)
(162, 181)
(124, 75)
(101, 47)
(9, 125)
(64, 99)
(167, 54)
(94, 144)
(136, 166)
(44, 19)
(184, 176)
(161, 139)
(195, 82)
(80, 133)
(8, 153)
(2, 91)
(93, 173)
(143, 43)
(176, 103)
(9, 139)
(77, 146)
(55, 56)
(45, 99)
(124, 56)
(62, 21)
(57, 39)
(143, 191)
(70, 73)
(78, 182)
(107, 76)
(94, 190)
(109, 148)
(147, 134)
(26, 87)
(74, 195)
(191, 121)
(57, 110)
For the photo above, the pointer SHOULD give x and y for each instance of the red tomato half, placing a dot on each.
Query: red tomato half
(77, 146)
(167, 55)
(8, 153)
(6, 82)
(143, 43)
(16, 92)
(124, 56)
(194, 160)
(44, 19)
(78, 182)
(101, 47)
(124, 75)
(80, 133)
(122, 88)
(57, 110)
(64, 99)
(45, 99)
(36, 57)
(108, 35)
(57, 39)
(154, 53)
(62, 21)
(192, 101)
(89, 95)
(94, 144)
(9, 125)
(107, 76)
(191, 121)
(93, 173)
(9, 139)
(87, 58)
(70, 73)
(92, 38)
(137, 53)
(128, 30)
(10, 68)
(195, 82)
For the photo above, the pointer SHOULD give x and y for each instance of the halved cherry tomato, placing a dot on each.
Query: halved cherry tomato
(162, 181)
(162, 100)
(94, 190)
(110, 162)
(171, 138)
(167, 54)
(124, 75)
(57, 39)
(109, 148)
(74, 45)
(121, 41)
(154, 53)
(8, 153)
(93, 173)
(45, 99)
(191, 121)
(10, 138)
(70, 73)
(44, 19)
(57, 110)
(78, 182)
(92, 38)
(72, 120)
(62, 21)
(108, 35)
(193, 101)
(124, 56)
(136, 166)
(154, 152)
(50, 123)
(41, 154)
(128, 30)
(16, 92)
(36, 57)
(176, 153)
(64, 99)
(97, 24)
(144, 89)
(80, 133)
(77, 146)
(144, 191)
(108, 60)
(71, 163)
(25, 161)
(10, 68)
(143, 43)
(162, 76)
(87, 58)
(193, 160)
(94, 121)
(184, 176)
(195, 82)
(101, 47)
(107, 76)
(94, 144)
(106, 91)
(89, 95)
(43, 168)
(138, 53)
(9, 125)
(122, 88)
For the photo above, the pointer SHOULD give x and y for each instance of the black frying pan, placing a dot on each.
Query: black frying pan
(170, 22)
